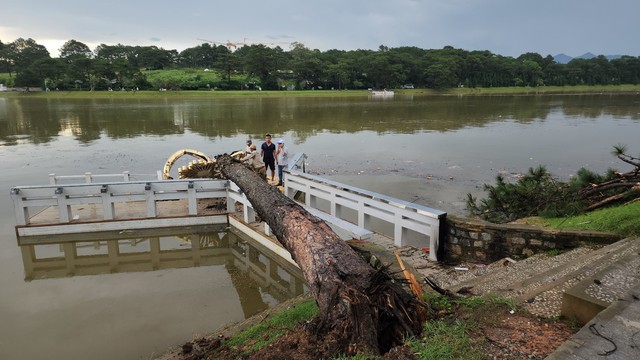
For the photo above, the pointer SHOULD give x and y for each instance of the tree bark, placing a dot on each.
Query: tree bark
(357, 304)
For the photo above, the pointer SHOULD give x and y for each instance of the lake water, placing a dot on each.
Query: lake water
(429, 150)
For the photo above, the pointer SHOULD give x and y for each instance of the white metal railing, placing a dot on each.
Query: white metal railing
(92, 178)
(297, 162)
(403, 215)
(235, 195)
(26, 198)
(369, 205)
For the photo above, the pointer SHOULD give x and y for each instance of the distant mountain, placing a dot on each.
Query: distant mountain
(562, 58)
(586, 56)
(565, 59)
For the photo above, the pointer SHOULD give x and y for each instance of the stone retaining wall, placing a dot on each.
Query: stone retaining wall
(480, 241)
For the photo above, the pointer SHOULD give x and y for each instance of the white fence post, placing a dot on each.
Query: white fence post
(434, 243)
(249, 213)
(151, 201)
(193, 201)
(64, 209)
(22, 212)
(108, 208)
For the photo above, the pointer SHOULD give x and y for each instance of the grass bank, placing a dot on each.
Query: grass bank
(578, 89)
(458, 329)
(195, 94)
(542, 90)
(623, 220)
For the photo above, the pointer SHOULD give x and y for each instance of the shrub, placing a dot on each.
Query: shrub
(536, 193)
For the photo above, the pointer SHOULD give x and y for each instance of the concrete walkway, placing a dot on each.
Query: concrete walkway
(613, 334)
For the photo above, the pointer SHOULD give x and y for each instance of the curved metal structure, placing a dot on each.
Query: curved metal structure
(177, 155)
(202, 167)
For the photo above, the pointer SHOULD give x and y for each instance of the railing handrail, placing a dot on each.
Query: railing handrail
(297, 161)
(404, 216)
(106, 195)
(88, 177)
(115, 183)
(436, 214)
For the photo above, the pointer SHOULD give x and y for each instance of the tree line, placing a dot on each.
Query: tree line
(28, 63)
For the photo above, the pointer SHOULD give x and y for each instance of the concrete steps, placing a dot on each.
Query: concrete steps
(583, 301)
(539, 282)
(614, 333)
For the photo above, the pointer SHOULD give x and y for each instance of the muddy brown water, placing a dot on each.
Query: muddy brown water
(429, 150)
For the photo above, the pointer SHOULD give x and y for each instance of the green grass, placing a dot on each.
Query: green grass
(6, 79)
(546, 90)
(269, 330)
(199, 79)
(184, 94)
(448, 336)
(189, 79)
(444, 341)
(623, 220)
(451, 334)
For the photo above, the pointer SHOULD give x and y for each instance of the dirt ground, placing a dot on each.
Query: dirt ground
(521, 336)
(502, 336)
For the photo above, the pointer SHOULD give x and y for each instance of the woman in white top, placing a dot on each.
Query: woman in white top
(282, 158)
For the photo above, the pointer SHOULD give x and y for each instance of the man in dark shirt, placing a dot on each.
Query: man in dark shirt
(268, 153)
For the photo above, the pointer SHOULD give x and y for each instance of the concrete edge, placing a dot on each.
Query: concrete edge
(620, 322)
(579, 306)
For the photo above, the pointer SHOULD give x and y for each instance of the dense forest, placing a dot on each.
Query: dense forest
(25, 63)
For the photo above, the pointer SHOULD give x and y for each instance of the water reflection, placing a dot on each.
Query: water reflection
(40, 119)
(252, 268)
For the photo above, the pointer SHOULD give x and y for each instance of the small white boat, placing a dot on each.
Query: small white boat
(384, 92)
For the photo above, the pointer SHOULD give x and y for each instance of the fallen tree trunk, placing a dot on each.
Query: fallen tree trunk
(359, 307)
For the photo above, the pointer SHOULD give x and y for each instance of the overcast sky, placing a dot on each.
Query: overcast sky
(506, 27)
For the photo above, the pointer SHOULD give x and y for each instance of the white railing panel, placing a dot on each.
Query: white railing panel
(84, 200)
(64, 196)
(91, 178)
(211, 194)
(368, 205)
(174, 195)
(127, 197)
(383, 198)
(402, 214)
(30, 193)
(39, 202)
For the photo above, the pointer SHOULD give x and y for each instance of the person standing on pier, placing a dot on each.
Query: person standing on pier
(268, 153)
(282, 155)
(253, 160)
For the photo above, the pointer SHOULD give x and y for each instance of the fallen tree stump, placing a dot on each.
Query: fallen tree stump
(361, 308)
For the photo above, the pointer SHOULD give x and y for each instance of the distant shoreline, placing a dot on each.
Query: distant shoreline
(541, 90)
